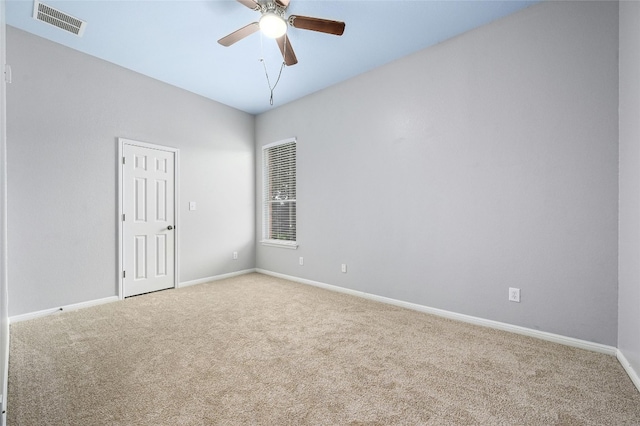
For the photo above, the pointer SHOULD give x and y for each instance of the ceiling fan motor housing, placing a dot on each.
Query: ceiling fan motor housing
(272, 7)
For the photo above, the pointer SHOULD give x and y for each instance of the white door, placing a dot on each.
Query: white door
(148, 221)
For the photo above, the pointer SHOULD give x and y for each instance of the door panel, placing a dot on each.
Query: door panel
(161, 255)
(148, 205)
(140, 257)
(161, 200)
(140, 200)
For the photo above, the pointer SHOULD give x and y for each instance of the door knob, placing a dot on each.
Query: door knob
(169, 227)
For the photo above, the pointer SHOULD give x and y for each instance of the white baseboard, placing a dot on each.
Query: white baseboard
(5, 378)
(568, 341)
(215, 278)
(73, 307)
(313, 283)
(633, 375)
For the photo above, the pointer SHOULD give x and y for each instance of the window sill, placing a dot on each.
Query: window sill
(282, 244)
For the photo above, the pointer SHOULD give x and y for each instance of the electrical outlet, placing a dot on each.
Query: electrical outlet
(344, 268)
(235, 255)
(514, 294)
(301, 261)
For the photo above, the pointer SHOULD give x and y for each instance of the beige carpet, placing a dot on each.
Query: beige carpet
(260, 350)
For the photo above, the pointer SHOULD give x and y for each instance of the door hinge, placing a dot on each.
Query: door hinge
(123, 219)
(124, 160)
(7, 74)
(124, 274)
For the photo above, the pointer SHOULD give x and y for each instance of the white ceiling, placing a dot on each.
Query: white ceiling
(175, 41)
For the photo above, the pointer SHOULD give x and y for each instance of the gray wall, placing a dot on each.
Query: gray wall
(4, 306)
(486, 162)
(629, 245)
(444, 178)
(66, 110)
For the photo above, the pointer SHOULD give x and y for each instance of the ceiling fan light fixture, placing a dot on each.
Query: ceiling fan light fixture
(272, 25)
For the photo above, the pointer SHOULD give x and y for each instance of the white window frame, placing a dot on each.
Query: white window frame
(266, 200)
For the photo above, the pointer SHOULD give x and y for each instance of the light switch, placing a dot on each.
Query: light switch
(192, 205)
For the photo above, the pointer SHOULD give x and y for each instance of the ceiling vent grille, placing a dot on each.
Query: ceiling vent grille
(57, 18)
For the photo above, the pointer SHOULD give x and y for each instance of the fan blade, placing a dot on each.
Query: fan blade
(287, 51)
(283, 3)
(251, 4)
(239, 34)
(317, 24)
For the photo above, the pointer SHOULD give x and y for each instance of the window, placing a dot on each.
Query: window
(279, 194)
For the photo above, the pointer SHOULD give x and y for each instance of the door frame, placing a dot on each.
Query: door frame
(176, 203)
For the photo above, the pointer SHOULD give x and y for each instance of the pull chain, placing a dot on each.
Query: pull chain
(264, 65)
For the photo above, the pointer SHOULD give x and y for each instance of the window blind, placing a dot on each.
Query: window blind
(279, 196)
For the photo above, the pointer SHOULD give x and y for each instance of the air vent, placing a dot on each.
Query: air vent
(59, 19)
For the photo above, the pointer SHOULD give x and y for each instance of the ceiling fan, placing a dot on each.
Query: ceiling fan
(273, 24)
